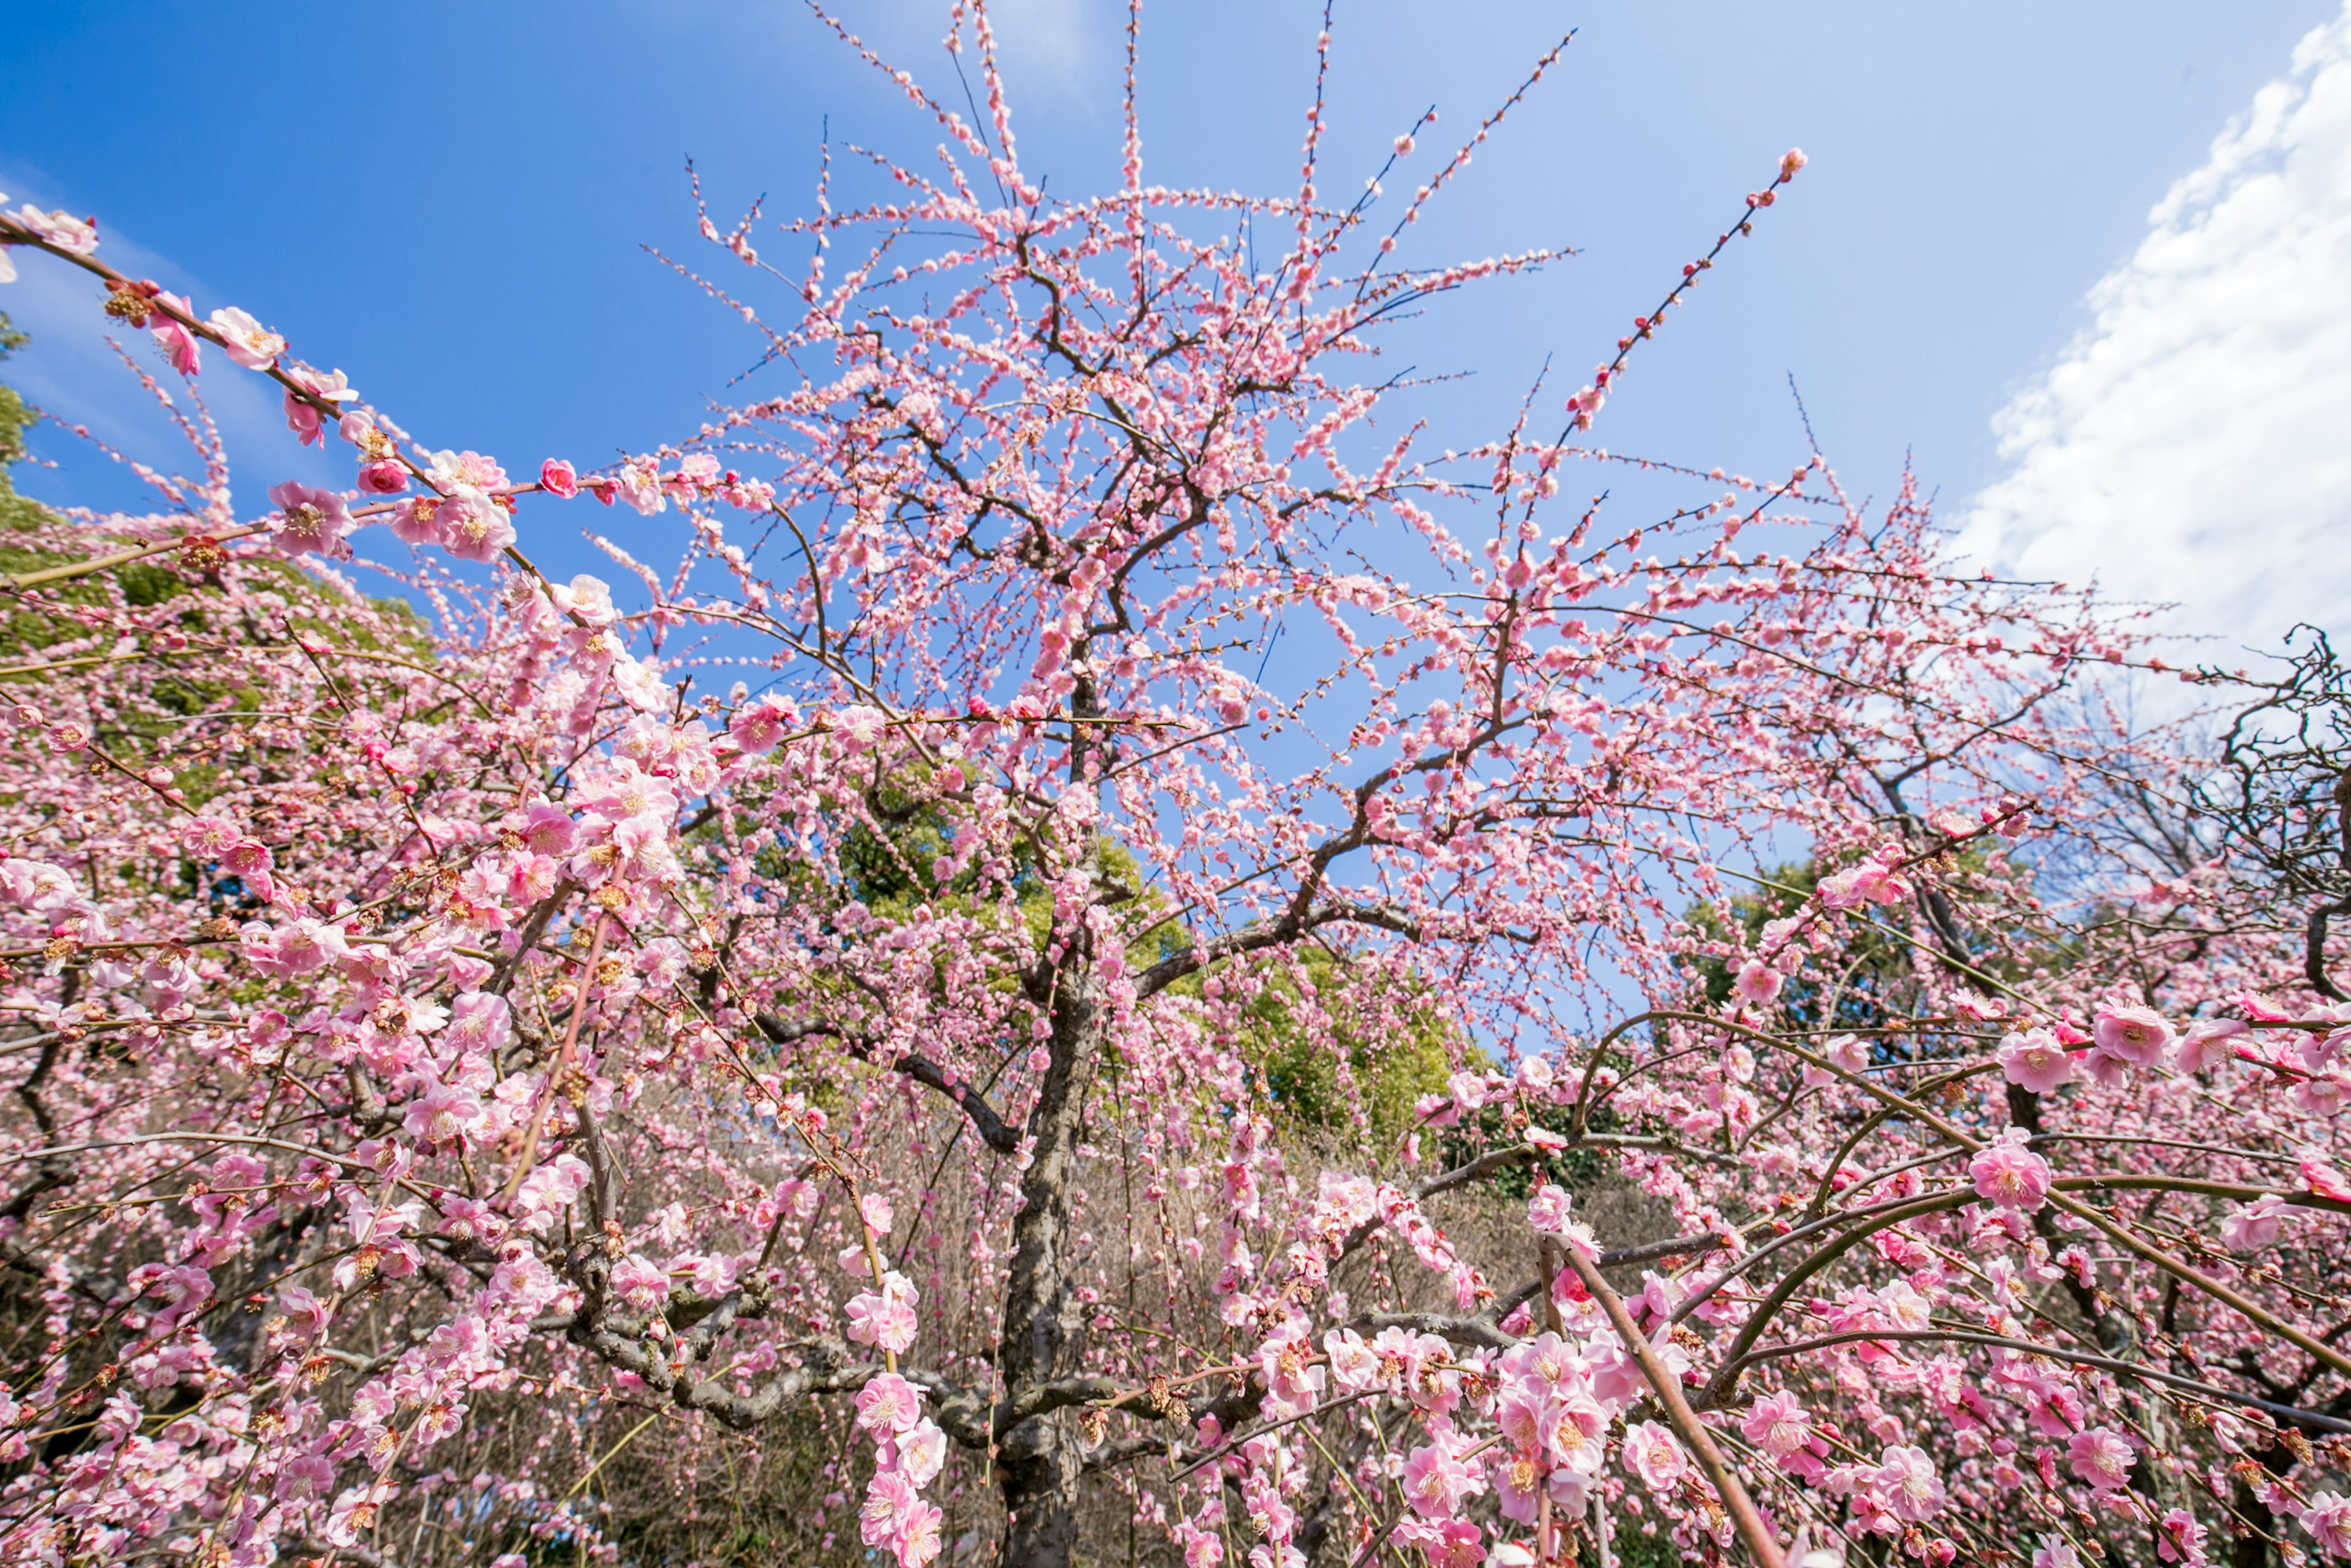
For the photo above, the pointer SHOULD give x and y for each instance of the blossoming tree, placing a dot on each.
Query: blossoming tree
(465, 1042)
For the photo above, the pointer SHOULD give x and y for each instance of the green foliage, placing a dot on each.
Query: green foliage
(1395, 1046)
(15, 413)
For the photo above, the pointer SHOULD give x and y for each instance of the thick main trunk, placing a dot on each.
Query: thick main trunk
(1038, 1465)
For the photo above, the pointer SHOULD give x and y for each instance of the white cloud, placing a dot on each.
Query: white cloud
(2193, 443)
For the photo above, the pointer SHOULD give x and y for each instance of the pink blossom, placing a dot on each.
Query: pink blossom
(1757, 982)
(77, 236)
(385, 476)
(2210, 1043)
(2009, 1174)
(181, 347)
(1435, 1481)
(2034, 1060)
(888, 1404)
(889, 1498)
(919, 1538)
(2253, 1226)
(2327, 1517)
(759, 727)
(2138, 1036)
(636, 1280)
(882, 1321)
(311, 519)
(444, 1113)
(920, 1452)
(1547, 1211)
(302, 416)
(1655, 1456)
(1777, 1425)
(1907, 1482)
(2101, 1457)
(559, 478)
(2180, 1539)
(248, 341)
(474, 528)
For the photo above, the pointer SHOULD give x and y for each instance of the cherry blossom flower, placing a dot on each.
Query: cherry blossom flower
(2011, 1175)
(311, 521)
(2138, 1036)
(1655, 1456)
(2034, 1060)
(2101, 1457)
(248, 341)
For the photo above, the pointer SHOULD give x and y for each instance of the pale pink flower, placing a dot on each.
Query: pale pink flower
(2253, 1226)
(1353, 1365)
(890, 1497)
(2322, 1093)
(2101, 1457)
(2055, 1552)
(919, 1538)
(1777, 1425)
(312, 519)
(1907, 1482)
(637, 1280)
(79, 235)
(1435, 1481)
(1547, 1211)
(2138, 1036)
(1757, 982)
(474, 528)
(2327, 1517)
(2209, 1042)
(2009, 1174)
(860, 726)
(2036, 1060)
(444, 1113)
(888, 1404)
(1655, 1456)
(920, 1452)
(248, 343)
(883, 1321)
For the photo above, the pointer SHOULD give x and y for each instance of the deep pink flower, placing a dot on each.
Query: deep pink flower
(385, 476)
(559, 478)
(182, 348)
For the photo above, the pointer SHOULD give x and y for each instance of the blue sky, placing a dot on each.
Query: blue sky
(449, 201)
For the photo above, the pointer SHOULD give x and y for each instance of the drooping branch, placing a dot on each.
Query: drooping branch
(994, 1131)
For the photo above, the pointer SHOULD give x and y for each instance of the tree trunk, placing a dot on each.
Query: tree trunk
(1039, 1466)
